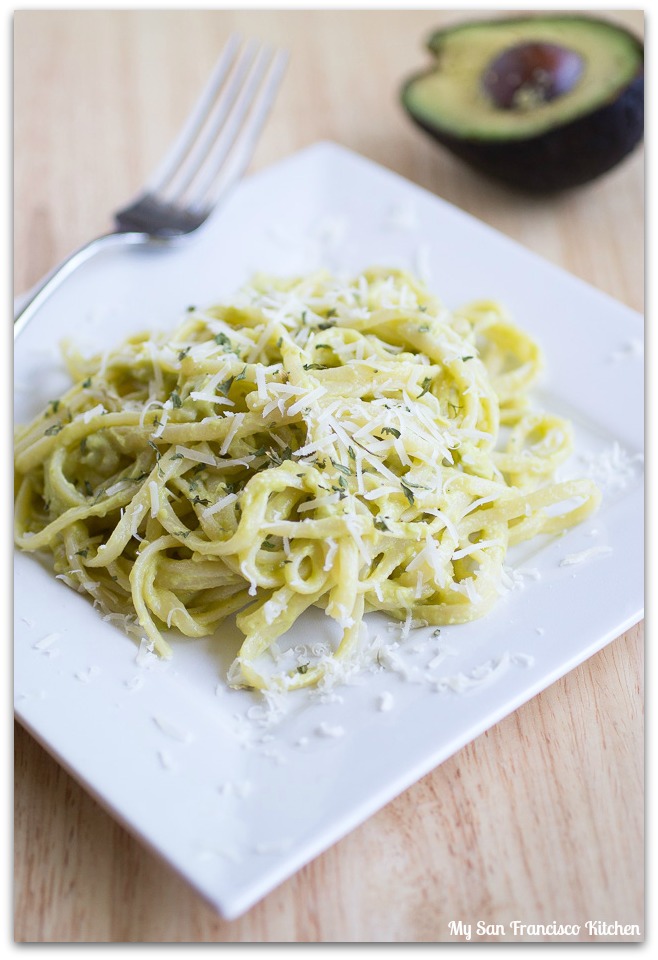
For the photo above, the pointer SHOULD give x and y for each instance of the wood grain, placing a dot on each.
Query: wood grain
(540, 818)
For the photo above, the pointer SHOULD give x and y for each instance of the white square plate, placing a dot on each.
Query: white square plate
(233, 801)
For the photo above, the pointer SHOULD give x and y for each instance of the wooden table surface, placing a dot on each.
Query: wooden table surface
(539, 819)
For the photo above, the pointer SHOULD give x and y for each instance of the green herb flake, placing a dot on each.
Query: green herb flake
(200, 500)
(391, 430)
(157, 451)
(176, 400)
(426, 384)
(55, 405)
(342, 468)
(315, 366)
(177, 456)
(82, 553)
(464, 359)
(86, 383)
(222, 340)
(241, 376)
(268, 545)
(88, 489)
(326, 326)
(302, 668)
(381, 524)
(183, 353)
(225, 387)
(51, 431)
(408, 493)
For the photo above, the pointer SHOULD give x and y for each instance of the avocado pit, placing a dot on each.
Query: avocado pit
(528, 74)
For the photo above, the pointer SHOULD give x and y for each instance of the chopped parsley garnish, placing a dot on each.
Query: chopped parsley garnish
(315, 366)
(268, 545)
(176, 456)
(302, 668)
(86, 383)
(467, 358)
(380, 524)
(278, 457)
(241, 376)
(351, 453)
(157, 451)
(82, 553)
(200, 500)
(51, 431)
(342, 468)
(183, 353)
(226, 386)
(392, 430)
(176, 400)
(222, 340)
(408, 493)
(55, 405)
(326, 326)
(426, 384)
(88, 489)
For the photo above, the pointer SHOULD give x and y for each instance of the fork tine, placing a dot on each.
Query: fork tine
(195, 120)
(237, 140)
(226, 96)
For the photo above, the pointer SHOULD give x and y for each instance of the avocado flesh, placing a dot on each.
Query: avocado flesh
(452, 98)
(551, 144)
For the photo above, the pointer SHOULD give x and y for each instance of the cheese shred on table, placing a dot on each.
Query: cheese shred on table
(349, 445)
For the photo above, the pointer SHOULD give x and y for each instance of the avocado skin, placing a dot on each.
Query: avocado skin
(566, 156)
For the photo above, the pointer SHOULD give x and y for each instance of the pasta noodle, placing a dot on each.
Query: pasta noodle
(349, 445)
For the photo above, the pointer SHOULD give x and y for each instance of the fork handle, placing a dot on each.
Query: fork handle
(40, 293)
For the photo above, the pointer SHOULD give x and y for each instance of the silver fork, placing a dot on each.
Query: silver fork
(209, 155)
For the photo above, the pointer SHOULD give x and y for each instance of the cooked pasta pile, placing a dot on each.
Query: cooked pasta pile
(349, 445)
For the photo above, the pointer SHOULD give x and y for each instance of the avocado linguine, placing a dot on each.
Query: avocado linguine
(350, 445)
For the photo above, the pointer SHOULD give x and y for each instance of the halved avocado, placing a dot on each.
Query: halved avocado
(541, 102)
